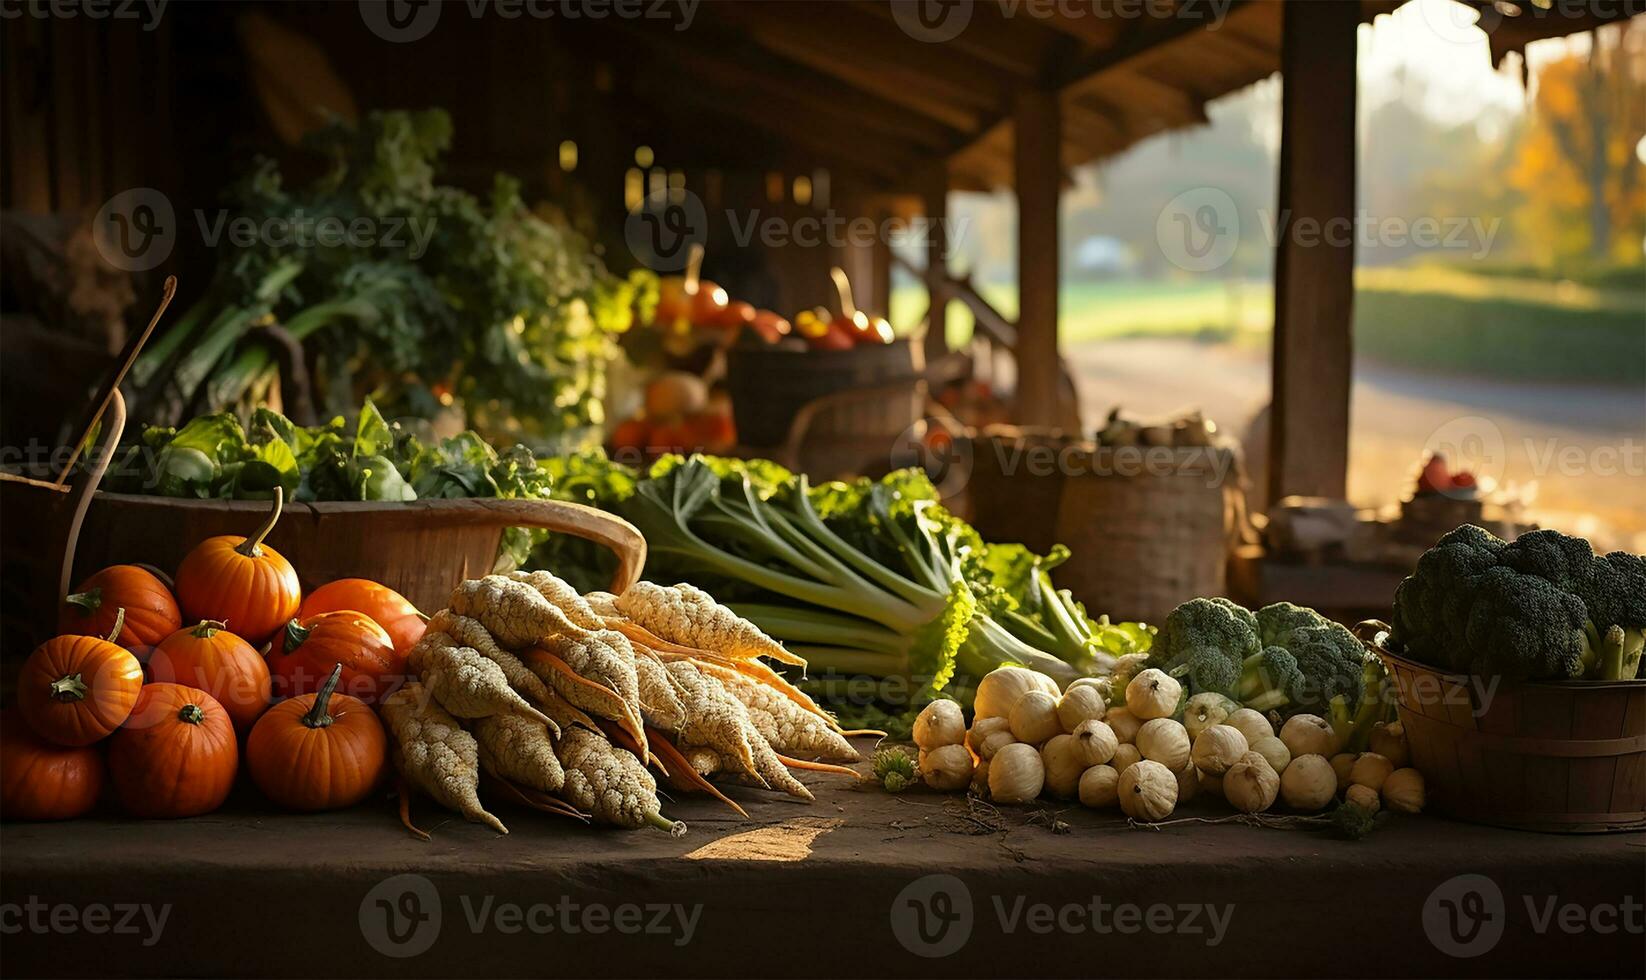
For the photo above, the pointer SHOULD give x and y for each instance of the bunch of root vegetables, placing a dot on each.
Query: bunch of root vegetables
(529, 692)
(1146, 754)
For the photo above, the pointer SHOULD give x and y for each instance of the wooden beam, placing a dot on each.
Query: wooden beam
(934, 195)
(1037, 164)
(1019, 45)
(1314, 273)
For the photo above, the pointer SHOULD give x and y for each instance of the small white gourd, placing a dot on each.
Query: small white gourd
(1016, 774)
(1164, 741)
(1034, 718)
(1153, 693)
(1403, 791)
(1342, 765)
(994, 743)
(1188, 783)
(1364, 797)
(1126, 755)
(1078, 704)
(1205, 710)
(1370, 770)
(946, 768)
(938, 724)
(1308, 735)
(1308, 784)
(1251, 723)
(1273, 749)
(982, 728)
(1148, 791)
(1064, 763)
(1389, 741)
(1218, 748)
(1123, 723)
(1096, 742)
(1000, 688)
(1100, 787)
(1251, 784)
(980, 779)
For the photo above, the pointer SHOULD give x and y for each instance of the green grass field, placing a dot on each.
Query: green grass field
(1427, 318)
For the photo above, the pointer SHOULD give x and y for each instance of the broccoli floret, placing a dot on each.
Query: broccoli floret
(1615, 595)
(1200, 630)
(1525, 627)
(1331, 660)
(1270, 680)
(1432, 604)
(1277, 619)
(1566, 562)
(1208, 669)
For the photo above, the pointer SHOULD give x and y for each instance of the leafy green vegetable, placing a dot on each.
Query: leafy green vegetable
(215, 457)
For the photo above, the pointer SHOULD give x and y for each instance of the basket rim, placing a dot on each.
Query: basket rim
(1377, 647)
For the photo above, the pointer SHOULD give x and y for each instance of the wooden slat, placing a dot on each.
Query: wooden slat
(1314, 284)
(934, 194)
(1022, 46)
(1037, 128)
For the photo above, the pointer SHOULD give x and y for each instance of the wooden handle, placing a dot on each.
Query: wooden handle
(114, 423)
(614, 533)
(1370, 631)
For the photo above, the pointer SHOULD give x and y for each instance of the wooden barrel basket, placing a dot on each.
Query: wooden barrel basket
(769, 385)
(421, 549)
(1568, 757)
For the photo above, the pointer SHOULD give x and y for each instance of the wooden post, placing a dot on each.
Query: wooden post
(880, 261)
(934, 195)
(1315, 253)
(1038, 176)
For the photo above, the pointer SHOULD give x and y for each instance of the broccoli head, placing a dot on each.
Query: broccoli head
(1432, 604)
(1200, 631)
(1525, 627)
(1271, 679)
(1277, 619)
(1542, 607)
(1331, 661)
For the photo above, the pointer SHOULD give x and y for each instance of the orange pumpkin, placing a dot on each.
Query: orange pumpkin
(240, 581)
(305, 652)
(42, 781)
(151, 611)
(223, 665)
(74, 690)
(175, 756)
(391, 610)
(317, 751)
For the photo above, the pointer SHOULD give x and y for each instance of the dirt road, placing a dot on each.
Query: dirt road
(1576, 454)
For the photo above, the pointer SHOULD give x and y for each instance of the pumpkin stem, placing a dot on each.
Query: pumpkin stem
(87, 602)
(119, 624)
(191, 714)
(252, 547)
(208, 628)
(69, 687)
(296, 633)
(317, 716)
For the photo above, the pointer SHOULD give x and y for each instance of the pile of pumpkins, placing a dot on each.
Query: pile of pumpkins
(164, 713)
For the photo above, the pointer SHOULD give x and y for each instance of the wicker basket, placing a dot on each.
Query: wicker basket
(1566, 757)
(1011, 500)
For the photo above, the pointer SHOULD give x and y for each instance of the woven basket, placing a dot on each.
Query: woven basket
(1566, 757)
(1011, 499)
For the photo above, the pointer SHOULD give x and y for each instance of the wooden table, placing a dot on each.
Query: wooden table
(833, 888)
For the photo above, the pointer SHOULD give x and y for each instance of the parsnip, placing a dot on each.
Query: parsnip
(519, 749)
(561, 594)
(469, 633)
(714, 719)
(687, 615)
(787, 727)
(435, 754)
(659, 700)
(610, 783)
(514, 613)
(465, 683)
